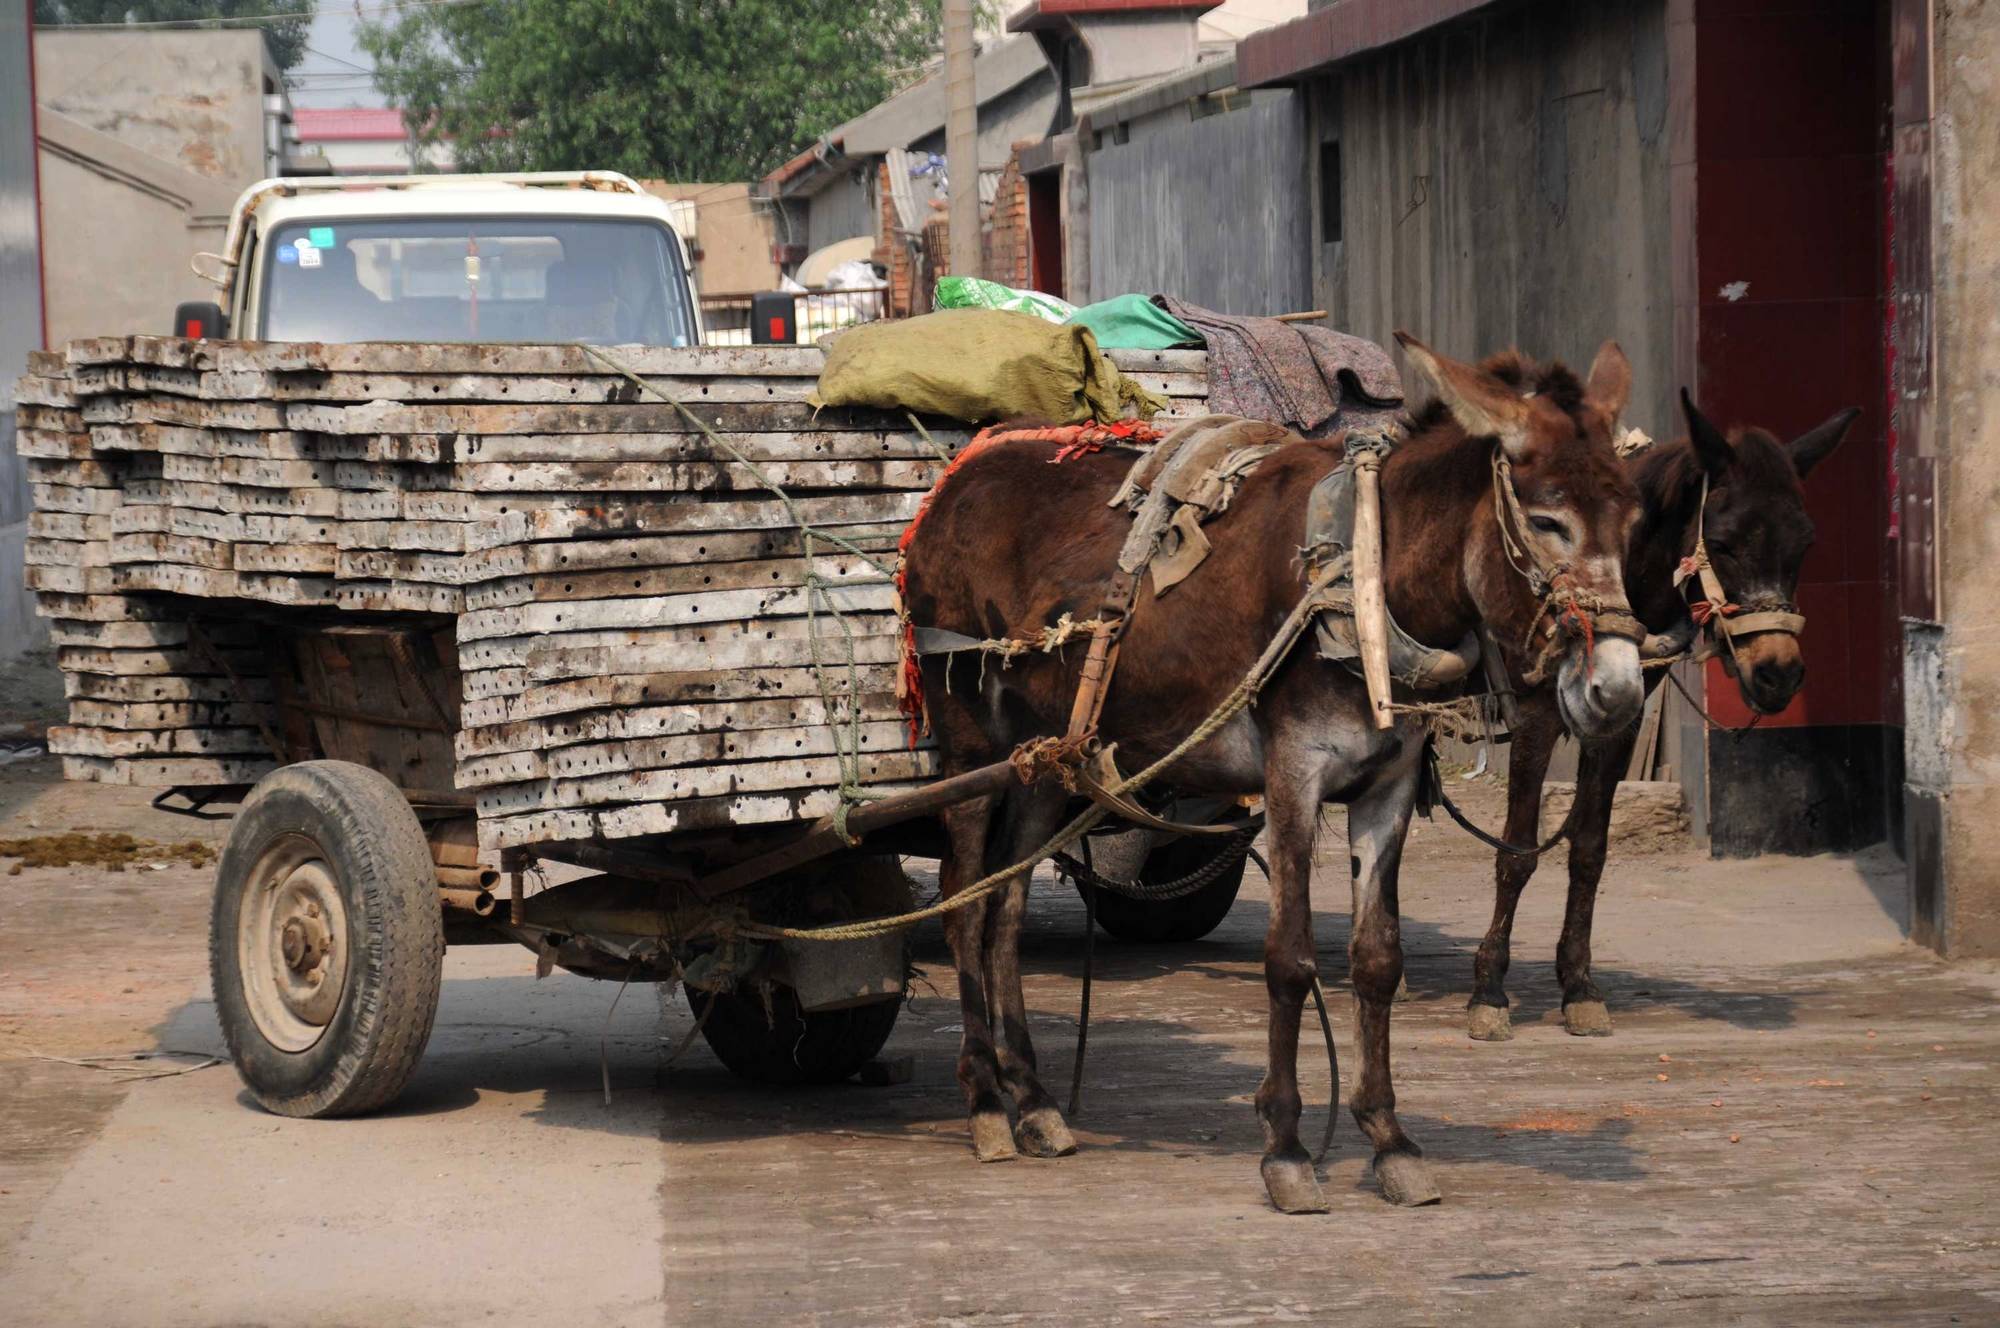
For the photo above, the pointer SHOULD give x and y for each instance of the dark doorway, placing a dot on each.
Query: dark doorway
(1045, 235)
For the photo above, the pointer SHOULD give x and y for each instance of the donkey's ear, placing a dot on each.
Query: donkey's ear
(1481, 404)
(1709, 444)
(1610, 385)
(1812, 446)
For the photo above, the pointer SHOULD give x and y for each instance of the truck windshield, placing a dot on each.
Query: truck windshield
(529, 279)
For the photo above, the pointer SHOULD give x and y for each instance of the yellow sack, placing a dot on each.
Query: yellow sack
(979, 365)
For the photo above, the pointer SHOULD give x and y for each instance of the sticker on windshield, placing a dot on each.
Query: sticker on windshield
(308, 256)
(321, 237)
(287, 254)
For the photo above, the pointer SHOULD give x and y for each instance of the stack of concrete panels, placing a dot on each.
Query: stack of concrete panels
(643, 644)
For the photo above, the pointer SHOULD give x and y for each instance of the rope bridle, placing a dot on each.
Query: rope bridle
(1718, 615)
(1565, 610)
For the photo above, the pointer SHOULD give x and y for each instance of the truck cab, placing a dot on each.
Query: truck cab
(553, 257)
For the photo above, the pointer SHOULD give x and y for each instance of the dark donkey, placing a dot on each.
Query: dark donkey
(1009, 546)
(1740, 496)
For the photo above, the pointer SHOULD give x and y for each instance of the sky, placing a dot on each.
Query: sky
(335, 70)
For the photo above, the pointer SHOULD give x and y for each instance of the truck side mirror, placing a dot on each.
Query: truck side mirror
(199, 320)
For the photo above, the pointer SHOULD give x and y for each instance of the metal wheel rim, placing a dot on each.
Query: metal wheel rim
(292, 943)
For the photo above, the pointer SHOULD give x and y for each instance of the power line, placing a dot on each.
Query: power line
(242, 20)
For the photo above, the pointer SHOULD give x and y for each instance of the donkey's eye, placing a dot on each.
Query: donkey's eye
(1548, 525)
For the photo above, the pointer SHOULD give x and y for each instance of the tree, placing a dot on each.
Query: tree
(669, 89)
(284, 21)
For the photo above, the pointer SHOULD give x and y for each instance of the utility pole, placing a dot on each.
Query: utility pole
(961, 137)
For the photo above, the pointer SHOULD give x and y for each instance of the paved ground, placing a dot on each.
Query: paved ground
(1793, 1125)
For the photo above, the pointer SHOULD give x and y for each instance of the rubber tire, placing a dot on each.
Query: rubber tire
(376, 849)
(1171, 921)
(793, 1047)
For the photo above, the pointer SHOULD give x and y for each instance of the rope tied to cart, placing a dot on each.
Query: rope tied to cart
(819, 599)
(1243, 695)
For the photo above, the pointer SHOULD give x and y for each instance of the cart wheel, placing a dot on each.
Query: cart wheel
(791, 1046)
(1188, 918)
(326, 944)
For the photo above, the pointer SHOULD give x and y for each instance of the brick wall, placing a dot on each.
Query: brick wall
(1004, 238)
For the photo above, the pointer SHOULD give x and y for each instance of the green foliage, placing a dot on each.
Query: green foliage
(285, 33)
(670, 89)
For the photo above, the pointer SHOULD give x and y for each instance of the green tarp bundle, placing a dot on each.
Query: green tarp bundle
(979, 365)
(1133, 322)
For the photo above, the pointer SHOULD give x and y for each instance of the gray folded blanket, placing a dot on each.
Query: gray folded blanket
(1309, 378)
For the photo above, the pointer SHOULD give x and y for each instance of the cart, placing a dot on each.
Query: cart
(379, 599)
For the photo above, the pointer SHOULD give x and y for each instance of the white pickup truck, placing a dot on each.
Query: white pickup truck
(555, 256)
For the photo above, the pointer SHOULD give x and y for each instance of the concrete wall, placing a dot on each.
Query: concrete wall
(733, 233)
(21, 329)
(1504, 182)
(146, 139)
(119, 227)
(1955, 739)
(193, 99)
(1213, 209)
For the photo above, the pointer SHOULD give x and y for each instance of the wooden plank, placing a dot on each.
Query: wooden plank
(648, 417)
(699, 782)
(156, 715)
(656, 518)
(65, 553)
(706, 645)
(658, 818)
(69, 498)
(687, 577)
(668, 551)
(778, 445)
(582, 388)
(369, 505)
(167, 771)
(186, 411)
(674, 751)
(51, 419)
(51, 444)
(173, 578)
(569, 617)
(655, 689)
(690, 476)
(153, 663)
(248, 527)
(65, 740)
(254, 471)
(72, 525)
(146, 547)
(574, 662)
(85, 632)
(411, 357)
(103, 608)
(297, 558)
(285, 588)
(662, 721)
(70, 580)
(233, 497)
(129, 688)
(396, 597)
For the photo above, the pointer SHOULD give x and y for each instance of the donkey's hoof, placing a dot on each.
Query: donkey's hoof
(1042, 1133)
(1292, 1186)
(1489, 1023)
(1402, 990)
(1406, 1180)
(1587, 1019)
(992, 1141)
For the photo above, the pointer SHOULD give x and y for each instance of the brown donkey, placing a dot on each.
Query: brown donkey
(1010, 545)
(1740, 496)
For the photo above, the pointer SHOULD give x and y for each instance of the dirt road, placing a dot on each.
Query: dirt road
(1793, 1124)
